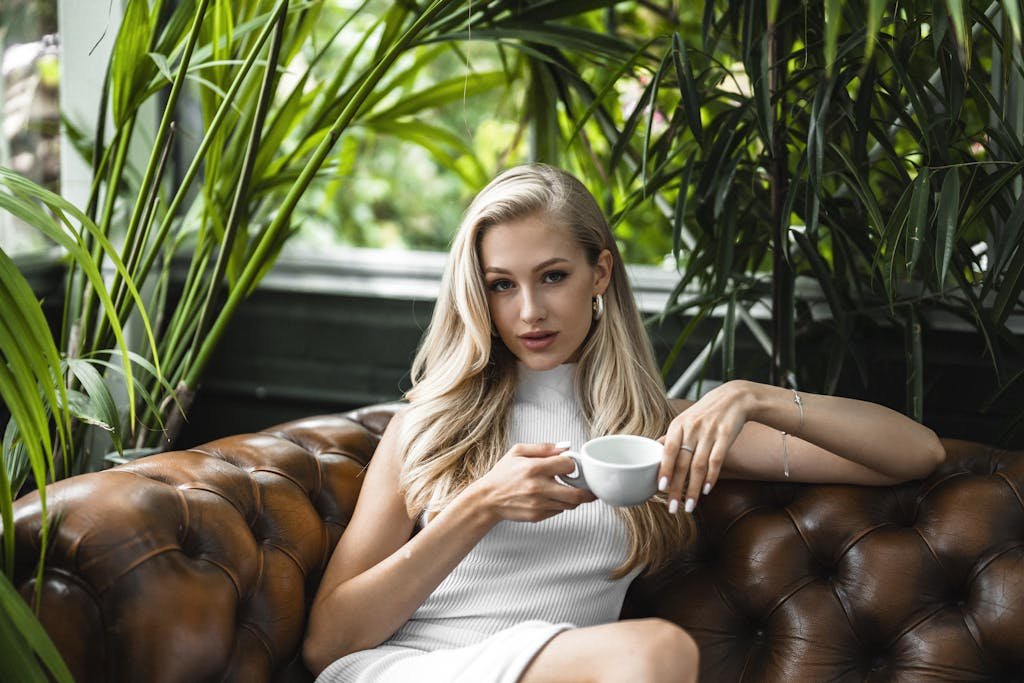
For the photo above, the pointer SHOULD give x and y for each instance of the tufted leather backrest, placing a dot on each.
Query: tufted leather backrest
(922, 581)
(199, 565)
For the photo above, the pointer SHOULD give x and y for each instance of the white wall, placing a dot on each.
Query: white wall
(87, 32)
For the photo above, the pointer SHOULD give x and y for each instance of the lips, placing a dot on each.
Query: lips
(537, 340)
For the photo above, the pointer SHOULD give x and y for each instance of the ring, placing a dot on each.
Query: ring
(686, 448)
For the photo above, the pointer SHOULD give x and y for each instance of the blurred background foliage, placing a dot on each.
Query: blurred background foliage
(404, 181)
(865, 152)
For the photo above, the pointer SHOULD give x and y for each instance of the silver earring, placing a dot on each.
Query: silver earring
(598, 306)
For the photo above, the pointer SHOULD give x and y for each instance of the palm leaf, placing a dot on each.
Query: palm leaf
(947, 221)
(25, 648)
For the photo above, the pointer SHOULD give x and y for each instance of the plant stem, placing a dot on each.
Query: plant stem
(255, 266)
(204, 145)
(150, 177)
(782, 274)
(245, 176)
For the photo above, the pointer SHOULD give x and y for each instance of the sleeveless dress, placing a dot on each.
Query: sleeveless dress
(521, 585)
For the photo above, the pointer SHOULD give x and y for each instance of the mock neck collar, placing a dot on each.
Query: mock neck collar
(560, 379)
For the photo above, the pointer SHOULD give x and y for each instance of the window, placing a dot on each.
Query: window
(30, 111)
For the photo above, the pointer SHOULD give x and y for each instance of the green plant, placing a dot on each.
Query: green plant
(265, 140)
(867, 149)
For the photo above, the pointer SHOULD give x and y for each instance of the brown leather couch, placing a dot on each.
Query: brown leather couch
(199, 565)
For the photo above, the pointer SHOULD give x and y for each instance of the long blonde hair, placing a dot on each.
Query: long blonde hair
(464, 379)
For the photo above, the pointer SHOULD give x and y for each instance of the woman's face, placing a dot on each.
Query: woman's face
(539, 289)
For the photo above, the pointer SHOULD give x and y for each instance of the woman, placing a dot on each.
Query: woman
(465, 559)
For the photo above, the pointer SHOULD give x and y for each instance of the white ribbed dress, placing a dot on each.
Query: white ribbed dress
(521, 585)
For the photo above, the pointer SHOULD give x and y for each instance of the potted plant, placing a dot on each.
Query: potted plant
(863, 153)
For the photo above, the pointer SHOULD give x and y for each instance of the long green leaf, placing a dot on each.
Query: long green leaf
(816, 150)
(12, 391)
(836, 303)
(918, 219)
(130, 64)
(23, 640)
(1008, 294)
(946, 223)
(607, 89)
(448, 149)
(959, 20)
(875, 9)
(69, 239)
(59, 231)
(579, 41)
(833, 22)
(630, 126)
(887, 255)
(651, 111)
(863, 192)
(441, 94)
(100, 410)
(33, 356)
(271, 238)
(679, 214)
(687, 88)
(1012, 10)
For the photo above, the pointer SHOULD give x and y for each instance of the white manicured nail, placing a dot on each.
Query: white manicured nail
(690, 504)
(662, 484)
(563, 444)
(673, 506)
(707, 488)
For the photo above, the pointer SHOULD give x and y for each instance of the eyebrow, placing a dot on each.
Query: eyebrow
(539, 266)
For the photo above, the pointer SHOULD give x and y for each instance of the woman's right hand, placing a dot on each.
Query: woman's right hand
(522, 487)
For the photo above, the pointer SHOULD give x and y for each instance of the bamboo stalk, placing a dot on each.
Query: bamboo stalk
(248, 277)
(204, 145)
(245, 175)
(150, 178)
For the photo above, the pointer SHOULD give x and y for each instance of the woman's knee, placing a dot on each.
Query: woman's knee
(668, 652)
(641, 650)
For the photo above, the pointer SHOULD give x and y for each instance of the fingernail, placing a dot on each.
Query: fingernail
(662, 484)
(673, 506)
(690, 504)
(565, 444)
(707, 488)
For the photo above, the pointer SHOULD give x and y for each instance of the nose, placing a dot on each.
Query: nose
(533, 309)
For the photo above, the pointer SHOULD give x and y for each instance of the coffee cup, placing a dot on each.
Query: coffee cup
(620, 469)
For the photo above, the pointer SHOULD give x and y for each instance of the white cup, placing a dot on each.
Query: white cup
(620, 469)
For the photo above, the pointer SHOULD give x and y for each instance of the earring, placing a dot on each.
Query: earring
(598, 306)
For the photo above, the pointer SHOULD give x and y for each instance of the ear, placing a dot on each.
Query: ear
(602, 271)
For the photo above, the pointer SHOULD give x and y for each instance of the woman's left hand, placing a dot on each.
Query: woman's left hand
(698, 440)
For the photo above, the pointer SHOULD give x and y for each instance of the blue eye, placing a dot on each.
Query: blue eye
(555, 276)
(500, 285)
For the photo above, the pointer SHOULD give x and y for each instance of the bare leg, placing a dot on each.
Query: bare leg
(642, 650)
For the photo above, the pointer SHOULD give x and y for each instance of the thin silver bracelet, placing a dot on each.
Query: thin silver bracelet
(799, 404)
(785, 456)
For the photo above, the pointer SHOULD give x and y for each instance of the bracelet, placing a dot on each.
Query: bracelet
(799, 404)
(785, 456)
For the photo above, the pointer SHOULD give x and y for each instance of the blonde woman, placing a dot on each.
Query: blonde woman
(465, 559)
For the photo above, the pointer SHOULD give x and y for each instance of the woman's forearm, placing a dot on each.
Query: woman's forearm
(866, 433)
(363, 611)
